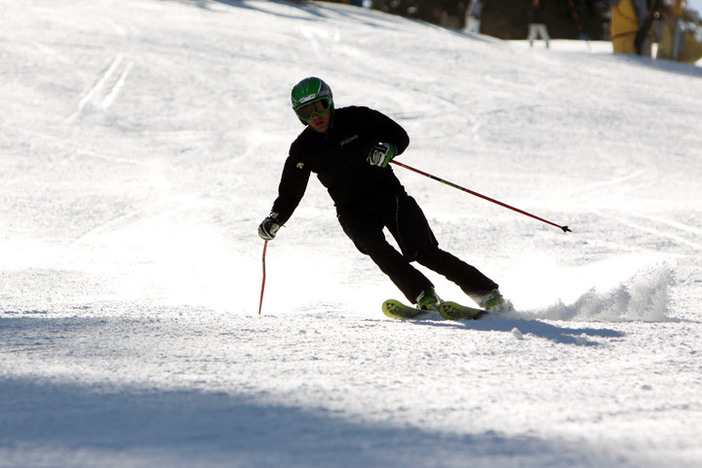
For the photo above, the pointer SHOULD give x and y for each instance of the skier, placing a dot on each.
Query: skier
(349, 149)
(475, 10)
(537, 24)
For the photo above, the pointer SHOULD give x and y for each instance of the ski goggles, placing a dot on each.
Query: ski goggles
(307, 111)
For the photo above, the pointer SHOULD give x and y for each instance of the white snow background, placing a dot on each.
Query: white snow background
(142, 144)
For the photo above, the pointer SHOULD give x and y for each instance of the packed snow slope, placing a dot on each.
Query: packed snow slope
(142, 144)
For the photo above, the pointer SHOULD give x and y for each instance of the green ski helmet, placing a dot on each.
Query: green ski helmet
(311, 90)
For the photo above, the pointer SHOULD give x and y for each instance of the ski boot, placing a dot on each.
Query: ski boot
(493, 301)
(428, 300)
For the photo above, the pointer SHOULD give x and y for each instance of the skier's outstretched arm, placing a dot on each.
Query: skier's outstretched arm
(293, 184)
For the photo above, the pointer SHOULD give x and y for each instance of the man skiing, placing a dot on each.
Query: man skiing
(349, 150)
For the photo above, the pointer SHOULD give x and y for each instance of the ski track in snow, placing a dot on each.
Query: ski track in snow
(106, 89)
(142, 144)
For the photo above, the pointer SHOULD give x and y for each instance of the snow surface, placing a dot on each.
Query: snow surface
(142, 143)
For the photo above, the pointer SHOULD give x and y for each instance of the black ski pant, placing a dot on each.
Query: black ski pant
(403, 217)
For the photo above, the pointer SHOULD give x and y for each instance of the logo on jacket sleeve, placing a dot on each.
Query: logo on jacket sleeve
(300, 165)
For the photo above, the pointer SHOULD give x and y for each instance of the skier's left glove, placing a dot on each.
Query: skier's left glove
(269, 227)
(381, 154)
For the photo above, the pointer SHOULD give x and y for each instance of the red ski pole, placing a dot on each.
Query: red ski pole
(451, 184)
(263, 283)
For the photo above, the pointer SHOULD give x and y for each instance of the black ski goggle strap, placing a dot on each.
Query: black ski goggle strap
(306, 111)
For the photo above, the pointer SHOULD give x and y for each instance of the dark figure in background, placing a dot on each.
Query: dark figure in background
(537, 23)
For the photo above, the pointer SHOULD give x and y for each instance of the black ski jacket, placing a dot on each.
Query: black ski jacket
(535, 14)
(338, 157)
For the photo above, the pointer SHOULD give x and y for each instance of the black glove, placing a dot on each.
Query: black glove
(269, 227)
(381, 154)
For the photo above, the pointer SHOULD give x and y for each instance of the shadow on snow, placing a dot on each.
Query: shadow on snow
(307, 8)
(188, 427)
(558, 334)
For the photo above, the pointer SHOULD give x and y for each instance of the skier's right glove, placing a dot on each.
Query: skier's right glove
(381, 154)
(269, 227)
